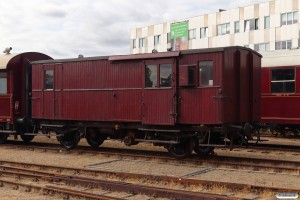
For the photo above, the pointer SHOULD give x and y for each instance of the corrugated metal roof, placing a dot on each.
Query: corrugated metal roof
(5, 58)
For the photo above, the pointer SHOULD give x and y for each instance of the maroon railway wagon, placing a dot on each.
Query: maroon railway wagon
(281, 91)
(185, 100)
(15, 90)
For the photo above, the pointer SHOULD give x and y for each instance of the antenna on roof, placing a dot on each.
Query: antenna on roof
(7, 50)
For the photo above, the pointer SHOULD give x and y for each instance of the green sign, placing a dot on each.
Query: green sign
(179, 30)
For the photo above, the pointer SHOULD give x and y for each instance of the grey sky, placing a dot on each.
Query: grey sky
(66, 28)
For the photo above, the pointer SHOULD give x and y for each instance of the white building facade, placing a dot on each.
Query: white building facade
(269, 26)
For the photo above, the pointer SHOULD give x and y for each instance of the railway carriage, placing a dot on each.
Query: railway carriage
(281, 91)
(15, 90)
(184, 101)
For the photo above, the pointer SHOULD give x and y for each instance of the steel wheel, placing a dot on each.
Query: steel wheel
(181, 150)
(70, 140)
(202, 138)
(3, 137)
(203, 151)
(94, 138)
(27, 138)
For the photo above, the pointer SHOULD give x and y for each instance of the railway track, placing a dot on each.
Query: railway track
(211, 164)
(88, 178)
(219, 161)
(52, 182)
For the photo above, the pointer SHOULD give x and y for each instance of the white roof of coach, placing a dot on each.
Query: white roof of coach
(5, 58)
(281, 58)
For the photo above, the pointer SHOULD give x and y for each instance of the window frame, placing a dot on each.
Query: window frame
(283, 45)
(284, 18)
(192, 34)
(237, 26)
(266, 22)
(157, 39)
(141, 42)
(45, 79)
(223, 29)
(283, 81)
(5, 78)
(203, 32)
(200, 85)
(158, 73)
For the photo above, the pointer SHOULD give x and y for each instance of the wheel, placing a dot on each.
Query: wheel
(3, 137)
(27, 138)
(181, 150)
(94, 138)
(70, 140)
(203, 151)
(202, 138)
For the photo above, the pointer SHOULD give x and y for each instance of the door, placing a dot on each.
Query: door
(159, 93)
(52, 92)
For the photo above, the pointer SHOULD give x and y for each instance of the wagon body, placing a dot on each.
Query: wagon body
(208, 86)
(281, 88)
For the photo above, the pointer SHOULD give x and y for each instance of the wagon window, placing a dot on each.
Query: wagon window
(283, 81)
(165, 75)
(151, 76)
(3, 83)
(49, 80)
(206, 73)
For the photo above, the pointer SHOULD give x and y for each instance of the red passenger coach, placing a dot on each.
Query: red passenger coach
(183, 100)
(14, 89)
(281, 91)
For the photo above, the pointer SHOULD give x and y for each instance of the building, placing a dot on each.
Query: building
(269, 26)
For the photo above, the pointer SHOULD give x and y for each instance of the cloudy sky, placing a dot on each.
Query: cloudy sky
(66, 28)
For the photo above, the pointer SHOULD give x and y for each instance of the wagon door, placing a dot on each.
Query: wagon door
(52, 92)
(159, 94)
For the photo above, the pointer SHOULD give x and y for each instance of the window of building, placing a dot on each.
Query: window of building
(236, 27)
(169, 37)
(134, 43)
(289, 18)
(49, 80)
(165, 72)
(283, 81)
(163, 79)
(141, 42)
(156, 39)
(251, 24)
(267, 22)
(283, 45)
(206, 73)
(192, 34)
(203, 32)
(3, 83)
(262, 47)
(246, 25)
(223, 29)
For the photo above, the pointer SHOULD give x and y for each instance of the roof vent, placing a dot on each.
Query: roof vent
(80, 56)
(7, 50)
